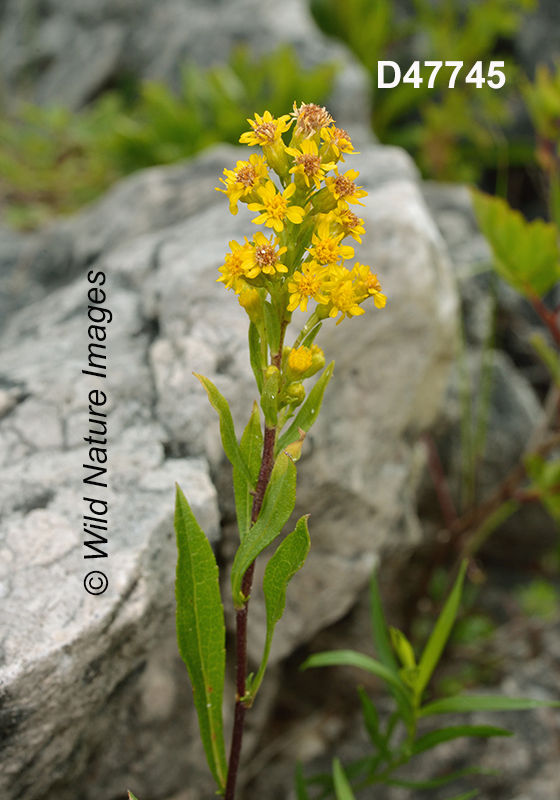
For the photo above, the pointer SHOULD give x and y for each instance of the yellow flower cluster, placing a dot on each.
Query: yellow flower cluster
(309, 216)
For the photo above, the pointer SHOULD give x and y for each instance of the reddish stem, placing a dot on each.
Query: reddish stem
(548, 317)
(267, 464)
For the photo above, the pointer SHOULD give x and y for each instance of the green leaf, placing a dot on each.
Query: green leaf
(371, 720)
(349, 658)
(466, 795)
(440, 634)
(342, 787)
(251, 452)
(132, 797)
(309, 411)
(455, 732)
(301, 786)
(472, 702)
(526, 253)
(310, 338)
(201, 632)
(227, 430)
(272, 323)
(380, 630)
(286, 561)
(255, 355)
(403, 648)
(278, 504)
(435, 783)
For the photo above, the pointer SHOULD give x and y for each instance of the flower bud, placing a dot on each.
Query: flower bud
(299, 361)
(250, 300)
(317, 361)
(295, 394)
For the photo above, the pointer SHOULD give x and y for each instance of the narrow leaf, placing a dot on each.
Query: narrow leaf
(440, 634)
(371, 720)
(278, 504)
(255, 355)
(380, 630)
(251, 452)
(201, 631)
(310, 338)
(301, 786)
(455, 732)
(309, 411)
(435, 783)
(472, 702)
(272, 323)
(132, 797)
(342, 787)
(286, 561)
(227, 430)
(349, 658)
(403, 648)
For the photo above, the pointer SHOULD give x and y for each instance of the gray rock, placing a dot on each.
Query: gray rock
(72, 663)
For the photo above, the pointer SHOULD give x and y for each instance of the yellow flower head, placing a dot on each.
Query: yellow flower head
(244, 180)
(344, 299)
(233, 269)
(326, 248)
(262, 256)
(366, 282)
(274, 207)
(266, 129)
(308, 163)
(300, 360)
(310, 119)
(337, 141)
(309, 283)
(348, 223)
(344, 189)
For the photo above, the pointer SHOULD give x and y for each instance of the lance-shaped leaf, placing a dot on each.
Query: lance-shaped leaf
(349, 658)
(455, 732)
(278, 504)
(435, 783)
(286, 561)
(380, 630)
(251, 452)
(272, 323)
(440, 634)
(201, 632)
(255, 355)
(371, 720)
(309, 411)
(342, 787)
(131, 796)
(485, 702)
(227, 430)
(526, 254)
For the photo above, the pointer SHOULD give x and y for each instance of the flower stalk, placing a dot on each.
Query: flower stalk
(297, 192)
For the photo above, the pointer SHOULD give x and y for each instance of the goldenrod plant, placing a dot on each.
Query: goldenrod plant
(303, 200)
